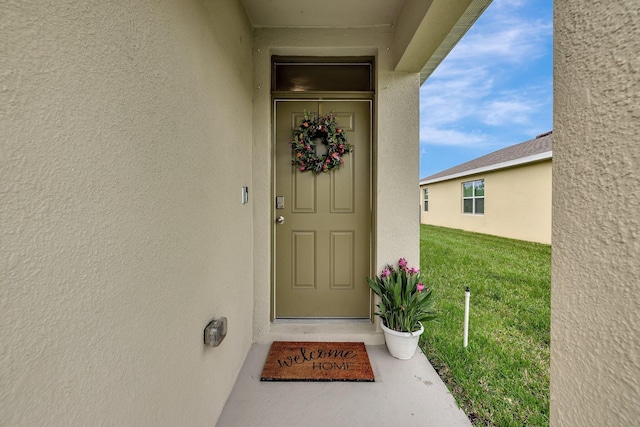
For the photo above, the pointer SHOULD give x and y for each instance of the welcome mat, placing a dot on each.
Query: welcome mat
(317, 361)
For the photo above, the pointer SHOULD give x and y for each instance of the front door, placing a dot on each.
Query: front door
(323, 222)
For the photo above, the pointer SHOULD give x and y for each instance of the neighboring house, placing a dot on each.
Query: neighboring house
(505, 193)
(130, 128)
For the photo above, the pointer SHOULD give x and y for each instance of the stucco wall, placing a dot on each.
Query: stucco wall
(396, 117)
(517, 203)
(595, 291)
(126, 139)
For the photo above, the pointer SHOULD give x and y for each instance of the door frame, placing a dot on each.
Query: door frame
(320, 97)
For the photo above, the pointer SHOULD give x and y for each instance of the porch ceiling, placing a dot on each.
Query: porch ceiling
(424, 30)
(325, 14)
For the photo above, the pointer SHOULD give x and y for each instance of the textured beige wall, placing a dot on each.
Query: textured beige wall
(595, 338)
(517, 203)
(396, 117)
(126, 139)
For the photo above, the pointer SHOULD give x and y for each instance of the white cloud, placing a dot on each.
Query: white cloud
(502, 4)
(503, 35)
(455, 97)
(510, 40)
(470, 89)
(451, 137)
(501, 112)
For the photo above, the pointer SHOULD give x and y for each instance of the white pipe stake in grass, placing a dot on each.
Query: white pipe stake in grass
(467, 294)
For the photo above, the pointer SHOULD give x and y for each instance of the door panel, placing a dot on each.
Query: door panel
(341, 257)
(322, 250)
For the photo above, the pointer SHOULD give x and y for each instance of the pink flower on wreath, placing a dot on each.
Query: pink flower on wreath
(335, 155)
(385, 273)
(420, 287)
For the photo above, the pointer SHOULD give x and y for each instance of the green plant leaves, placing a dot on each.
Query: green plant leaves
(402, 307)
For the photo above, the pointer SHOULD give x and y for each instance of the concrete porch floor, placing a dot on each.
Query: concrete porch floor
(405, 393)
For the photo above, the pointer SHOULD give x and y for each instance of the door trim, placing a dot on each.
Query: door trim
(331, 97)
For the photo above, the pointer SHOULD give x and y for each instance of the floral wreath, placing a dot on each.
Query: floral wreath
(325, 128)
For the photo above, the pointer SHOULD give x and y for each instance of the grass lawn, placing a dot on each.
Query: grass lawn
(502, 377)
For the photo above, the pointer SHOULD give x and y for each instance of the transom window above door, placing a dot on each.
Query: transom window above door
(320, 74)
(473, 197)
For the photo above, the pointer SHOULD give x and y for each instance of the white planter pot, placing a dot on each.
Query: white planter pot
(401, 345)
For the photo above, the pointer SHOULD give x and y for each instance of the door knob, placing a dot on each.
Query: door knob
(280, 220)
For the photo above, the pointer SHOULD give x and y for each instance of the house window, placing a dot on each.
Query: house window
(426, 199)
(473, 197)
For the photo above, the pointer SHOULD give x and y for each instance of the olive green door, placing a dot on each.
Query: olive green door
(323, 222)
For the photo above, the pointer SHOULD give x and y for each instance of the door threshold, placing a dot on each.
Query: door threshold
(319, 330)
(320, 320)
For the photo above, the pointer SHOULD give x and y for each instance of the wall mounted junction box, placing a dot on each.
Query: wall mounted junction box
(215, 331)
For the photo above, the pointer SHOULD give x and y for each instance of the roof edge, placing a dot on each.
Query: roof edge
(504, 165)
(464, 23)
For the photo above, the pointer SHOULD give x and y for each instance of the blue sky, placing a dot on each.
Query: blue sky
(494, 89)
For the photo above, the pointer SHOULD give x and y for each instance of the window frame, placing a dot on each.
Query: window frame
(475, 184)
(425, 199)
(292, 74)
